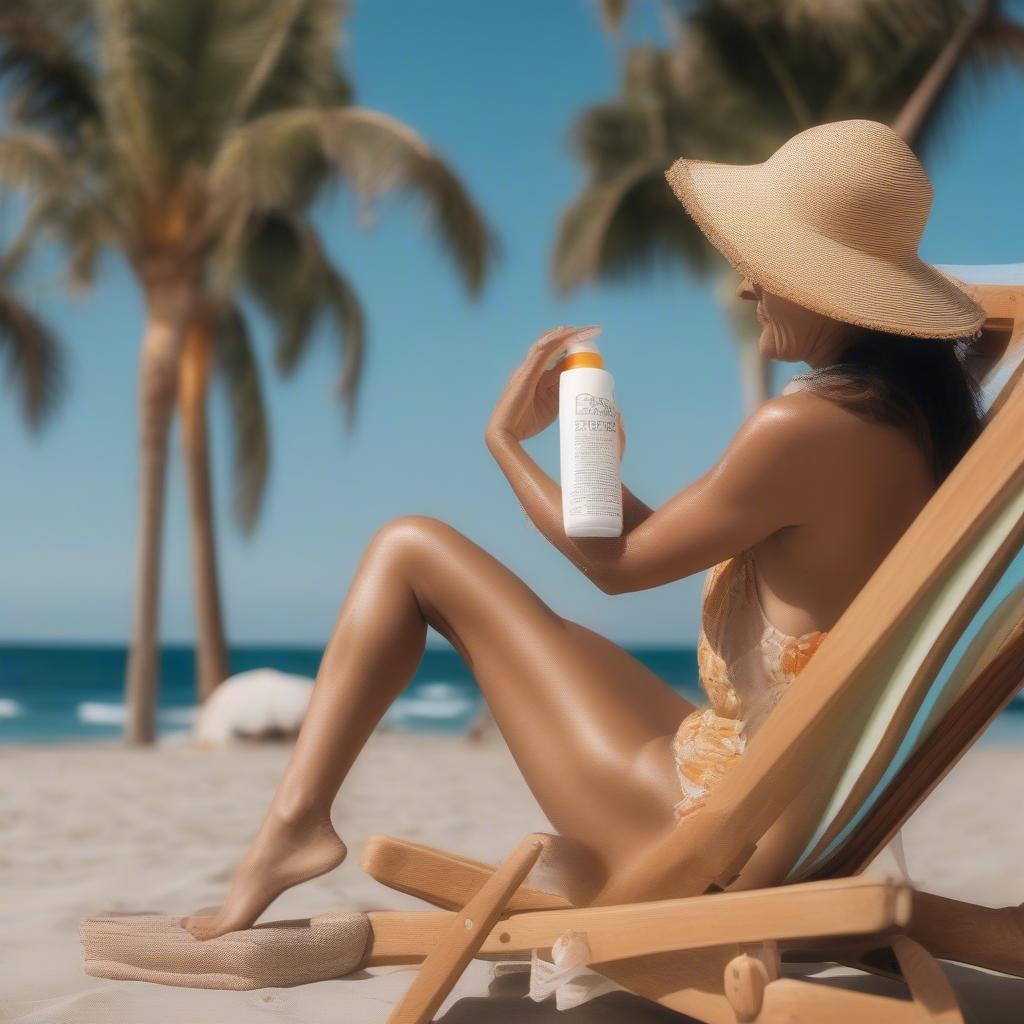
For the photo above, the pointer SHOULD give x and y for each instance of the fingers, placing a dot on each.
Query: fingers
(533, 374)
(551, 343)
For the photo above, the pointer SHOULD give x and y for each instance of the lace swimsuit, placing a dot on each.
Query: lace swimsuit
(745, 666)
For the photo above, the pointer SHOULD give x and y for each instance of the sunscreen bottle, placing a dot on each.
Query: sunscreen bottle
(589, 436)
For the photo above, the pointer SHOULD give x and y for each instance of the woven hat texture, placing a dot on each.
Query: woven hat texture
(832, 220)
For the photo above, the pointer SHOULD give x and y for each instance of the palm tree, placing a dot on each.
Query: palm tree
(33, 360)
(737, 80)
(193, 138)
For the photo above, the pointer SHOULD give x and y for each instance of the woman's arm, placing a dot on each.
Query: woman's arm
(541, 500)
(634, 511)
(758, 487)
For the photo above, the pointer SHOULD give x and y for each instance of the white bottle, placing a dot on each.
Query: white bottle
(588, 431)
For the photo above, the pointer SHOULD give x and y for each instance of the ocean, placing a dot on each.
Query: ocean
(62, 693)
(76, 693)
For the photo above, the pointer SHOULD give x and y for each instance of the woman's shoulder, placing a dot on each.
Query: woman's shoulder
(806, 408)
(822, 437)
(835, 438)
(789, 444)
(803, 414)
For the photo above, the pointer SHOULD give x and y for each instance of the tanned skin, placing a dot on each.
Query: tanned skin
(818, 493)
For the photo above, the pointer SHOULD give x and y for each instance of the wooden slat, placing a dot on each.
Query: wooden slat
(444, 879)
(843, 906)
(463, 936)
(404, 936)
(812, 910)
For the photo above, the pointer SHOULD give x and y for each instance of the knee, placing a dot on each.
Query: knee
(411, 535)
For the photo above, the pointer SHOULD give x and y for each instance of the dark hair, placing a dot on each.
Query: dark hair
(919, 384)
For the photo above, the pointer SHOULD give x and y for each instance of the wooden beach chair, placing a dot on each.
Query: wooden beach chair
(769, 871)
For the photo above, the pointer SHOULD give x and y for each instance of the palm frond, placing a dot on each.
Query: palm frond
(85, 231)
(239, 373)
(49, 82)
(622, 228)
(283, 18)
(849, 24)
(340, 301)
(181, 76)
(372, 152)
(62, 206)
(138, 69)
(29, 233)
(609, 136)
(297, 64)
(1000, 40)
(34, 364)
(286, 270)
(33, 162)
(612, 13)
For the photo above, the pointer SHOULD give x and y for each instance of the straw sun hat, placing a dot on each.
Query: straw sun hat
(832, 220)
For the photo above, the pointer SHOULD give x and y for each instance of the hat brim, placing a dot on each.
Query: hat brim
(734, 206)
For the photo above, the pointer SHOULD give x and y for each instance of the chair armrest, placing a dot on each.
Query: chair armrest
(568, 874)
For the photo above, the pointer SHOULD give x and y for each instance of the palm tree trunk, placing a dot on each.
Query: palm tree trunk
(212, 665)
(167, 309)
(919, 103)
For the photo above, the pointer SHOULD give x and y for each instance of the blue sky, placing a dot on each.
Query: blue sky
(494, 87)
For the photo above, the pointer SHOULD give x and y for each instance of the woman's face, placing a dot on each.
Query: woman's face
(790, 332)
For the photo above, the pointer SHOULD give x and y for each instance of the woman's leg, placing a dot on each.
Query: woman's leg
(589, 726)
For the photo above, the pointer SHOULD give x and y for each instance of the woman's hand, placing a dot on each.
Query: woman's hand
(529, 402)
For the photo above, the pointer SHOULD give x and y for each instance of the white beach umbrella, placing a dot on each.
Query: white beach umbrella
(259, 704)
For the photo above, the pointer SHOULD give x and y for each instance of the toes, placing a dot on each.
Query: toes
(200, 927)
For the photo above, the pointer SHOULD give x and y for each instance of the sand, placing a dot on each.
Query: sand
(88, 829)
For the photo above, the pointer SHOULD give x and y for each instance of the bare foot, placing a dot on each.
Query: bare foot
(284, 853)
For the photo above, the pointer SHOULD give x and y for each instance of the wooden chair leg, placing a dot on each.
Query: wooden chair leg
(928, 985)
(464, 935)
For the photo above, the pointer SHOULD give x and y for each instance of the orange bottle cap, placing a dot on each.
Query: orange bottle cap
(576, 359)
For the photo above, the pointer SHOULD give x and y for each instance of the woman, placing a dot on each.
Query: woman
(806, 501)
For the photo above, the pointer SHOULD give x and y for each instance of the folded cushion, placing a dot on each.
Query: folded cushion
(155, 947)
